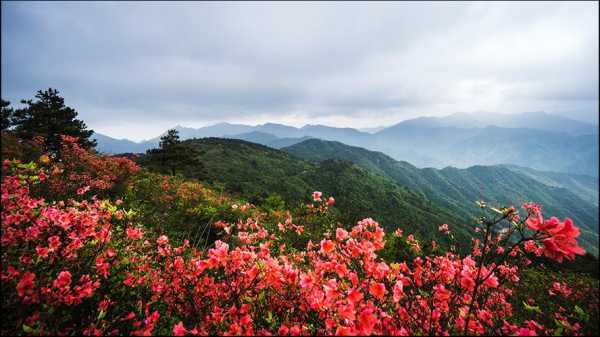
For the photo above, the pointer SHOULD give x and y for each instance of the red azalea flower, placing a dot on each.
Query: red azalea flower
(179, 329)
(377, 290)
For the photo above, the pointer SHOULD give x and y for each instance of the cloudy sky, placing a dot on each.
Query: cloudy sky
(132, 70)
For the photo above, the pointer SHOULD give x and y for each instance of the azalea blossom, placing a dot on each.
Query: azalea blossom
(317, 195)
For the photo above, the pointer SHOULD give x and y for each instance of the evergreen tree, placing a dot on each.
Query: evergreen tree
(173, 154)
(7, 114)
(48, 117)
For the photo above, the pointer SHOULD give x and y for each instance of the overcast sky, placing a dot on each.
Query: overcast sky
(132, 70)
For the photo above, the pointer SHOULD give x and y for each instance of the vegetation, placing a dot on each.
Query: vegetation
(455, 189)
(6, 112)
(75, 263)
(97, 245)
(48, 117)
(258, 173)
(172, 155)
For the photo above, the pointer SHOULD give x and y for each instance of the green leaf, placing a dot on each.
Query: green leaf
(558, 331)
(101, 314)
(558, 323)
(581, 314)
(27, 328)
(532, 308)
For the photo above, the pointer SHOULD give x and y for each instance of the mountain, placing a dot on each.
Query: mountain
(536, 140)
(372, 130)
(284, 142)
(535, 120)
(257, 137)
(279, 130)
(267, 139)
(427, 146)
(270, 134)
(257, 172)
(345, 135)
(457, 189)
(111, 145)
(586, 187)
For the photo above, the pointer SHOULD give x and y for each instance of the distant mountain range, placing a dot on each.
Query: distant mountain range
(529, 120)
(535, 140)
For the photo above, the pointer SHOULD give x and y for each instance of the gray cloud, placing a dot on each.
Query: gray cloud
(344, 64)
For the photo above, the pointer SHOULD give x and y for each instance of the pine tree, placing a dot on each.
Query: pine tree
(50, 118)
(7, 114)
(173, 154)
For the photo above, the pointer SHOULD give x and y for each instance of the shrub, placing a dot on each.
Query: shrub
(78, 264)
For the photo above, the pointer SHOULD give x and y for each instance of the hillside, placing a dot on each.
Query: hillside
(267, 139)
(586, 187)
(456, 189)
(257, 172)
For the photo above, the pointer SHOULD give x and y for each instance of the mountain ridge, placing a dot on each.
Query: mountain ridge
(427, 144)
(454, 188)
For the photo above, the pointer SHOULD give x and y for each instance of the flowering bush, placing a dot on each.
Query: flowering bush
(81, 265)
(80, 172)
(180, 208)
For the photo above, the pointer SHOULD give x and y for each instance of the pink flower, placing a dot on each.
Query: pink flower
(341, 234)
(327, 246)
(26, 284)
(283, 330)
(317, 195)
(347, 311)
(82, 190)
(330, 201)
(179, 264)
(398, 291)
(441, 294)
(532, 247)
(42, 251)
(562, 242)
(466, 281)
(54, 242)
(344, 331)
(526, 332)
(63, 280)
(179, 329)
(366, 321)
(377, 290)
(492, 282)
(162, 240)
(306, 281)
(398, 233)
(354, 296)
(134, 233)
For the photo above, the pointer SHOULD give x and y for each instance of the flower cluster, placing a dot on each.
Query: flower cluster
(80, 172)
(85, 266)
(558, 238)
